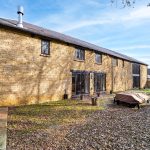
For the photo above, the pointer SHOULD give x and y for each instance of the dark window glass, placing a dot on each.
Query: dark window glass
(136, 81)
(79, 54)
(98, 58)
(73, 84)
(135, 68)
(45, 47)
(136, 75)
(115, 62)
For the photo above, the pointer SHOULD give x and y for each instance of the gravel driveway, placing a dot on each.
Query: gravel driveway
(113, 129)
(116, 128)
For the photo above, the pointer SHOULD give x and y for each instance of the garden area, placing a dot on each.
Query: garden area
(76, 124)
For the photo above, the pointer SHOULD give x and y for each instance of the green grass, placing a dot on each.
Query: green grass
(147, 91)
(24, 119)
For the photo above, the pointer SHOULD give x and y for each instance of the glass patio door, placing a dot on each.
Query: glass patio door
(136, 75)
(99, 82)
(80, 83)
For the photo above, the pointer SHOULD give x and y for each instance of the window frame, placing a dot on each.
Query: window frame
(116, 62)
(81, 58)
(46, 54)
(80, 83)
(123, 63)
(100, 62)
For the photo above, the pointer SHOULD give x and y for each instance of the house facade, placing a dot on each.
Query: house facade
(39, 65)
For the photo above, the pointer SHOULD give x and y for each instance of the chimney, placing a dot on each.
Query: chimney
(20, 14)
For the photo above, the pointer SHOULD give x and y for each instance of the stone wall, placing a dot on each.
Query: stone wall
(122, 76)
(143, 76)
(27, 77)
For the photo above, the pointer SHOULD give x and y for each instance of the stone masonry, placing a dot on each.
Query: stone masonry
(143, 74)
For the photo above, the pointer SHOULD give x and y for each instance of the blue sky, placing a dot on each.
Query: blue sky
(96, 21)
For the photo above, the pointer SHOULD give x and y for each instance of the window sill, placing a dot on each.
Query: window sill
(45, 55)
(79, 60)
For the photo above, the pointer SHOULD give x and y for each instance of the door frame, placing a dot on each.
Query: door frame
(102, 77)
(79, 74)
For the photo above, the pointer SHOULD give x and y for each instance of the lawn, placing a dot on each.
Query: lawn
(27, 119)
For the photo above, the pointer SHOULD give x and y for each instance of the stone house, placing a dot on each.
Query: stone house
(39, 65)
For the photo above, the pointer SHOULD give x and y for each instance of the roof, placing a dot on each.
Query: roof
(30, 28)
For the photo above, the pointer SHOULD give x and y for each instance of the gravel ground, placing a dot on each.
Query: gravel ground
(113, 129)
(116, 128)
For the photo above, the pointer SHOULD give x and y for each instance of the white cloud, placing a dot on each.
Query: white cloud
(140, 13)
(72, 18)
(145, 59)
(84, 23)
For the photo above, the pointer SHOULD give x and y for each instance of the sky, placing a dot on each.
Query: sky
(125, 30)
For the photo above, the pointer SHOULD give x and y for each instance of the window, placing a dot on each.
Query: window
(98, 58)
(45, 47)
(123, 63)
(79, 54)
(135, 68)
(115, 62)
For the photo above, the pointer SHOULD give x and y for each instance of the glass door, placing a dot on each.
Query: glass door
(80, 83)
(99, 82)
